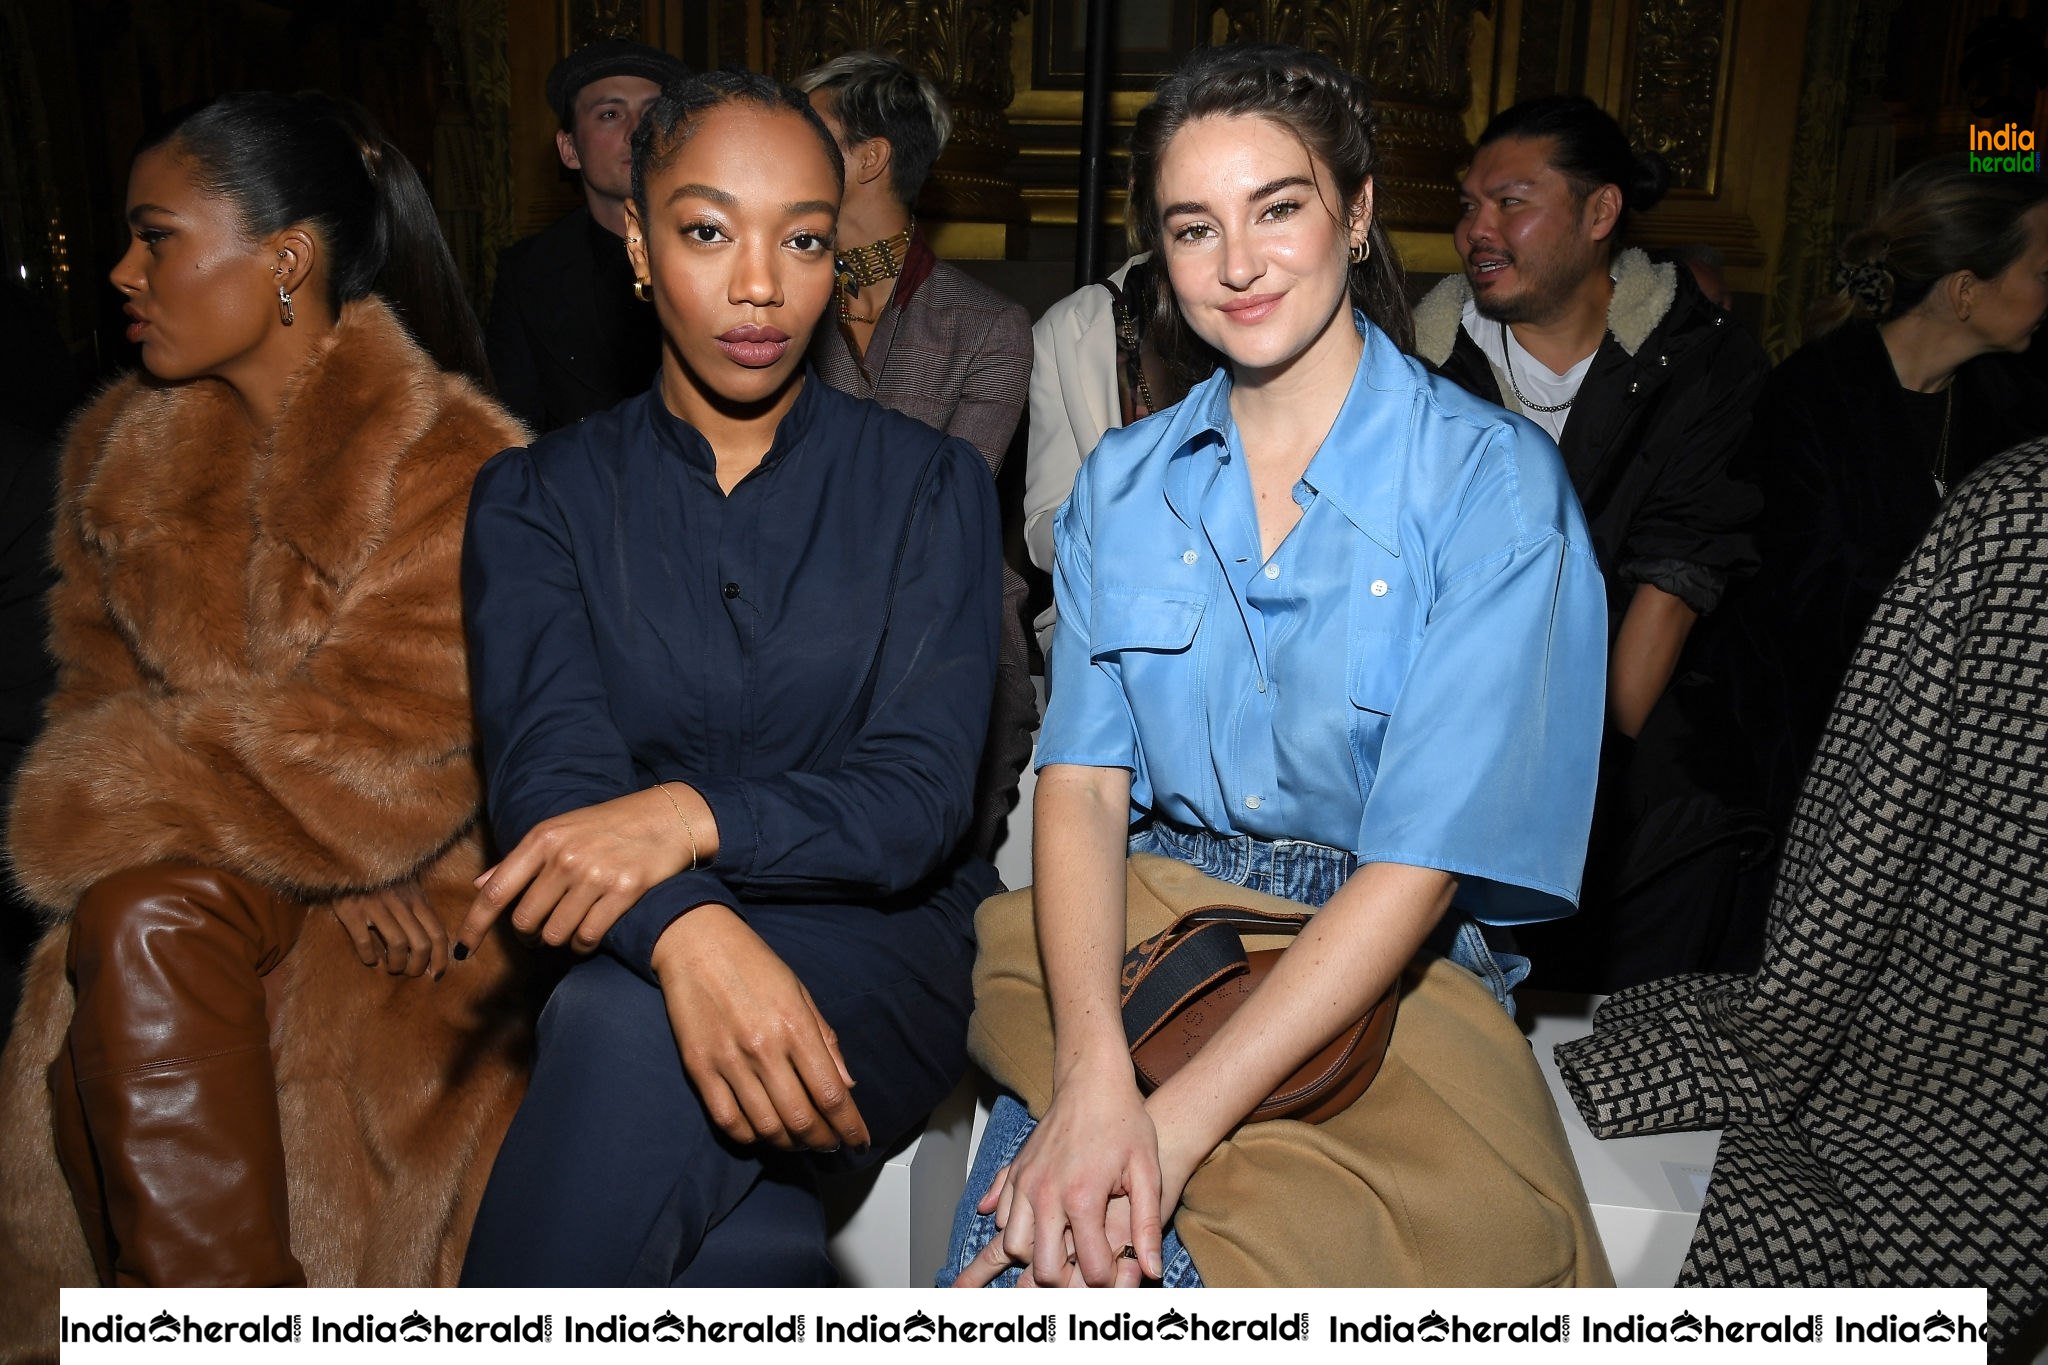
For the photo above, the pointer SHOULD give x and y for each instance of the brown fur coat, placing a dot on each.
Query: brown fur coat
(262, 668)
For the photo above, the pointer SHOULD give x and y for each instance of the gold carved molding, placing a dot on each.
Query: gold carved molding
(588, 21)
(1714, 86)
(963, 45)
(1678, 85)
(1416, 55)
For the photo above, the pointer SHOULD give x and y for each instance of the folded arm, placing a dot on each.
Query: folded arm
(1692, 536)
(559, 773)
(582, 824)
(1653, 633)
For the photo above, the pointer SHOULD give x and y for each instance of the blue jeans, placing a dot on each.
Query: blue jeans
(1292, 869)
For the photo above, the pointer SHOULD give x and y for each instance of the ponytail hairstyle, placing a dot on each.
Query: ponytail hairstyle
(1935, 219)
(1312, 98)
(322, 162)
(1589, 150)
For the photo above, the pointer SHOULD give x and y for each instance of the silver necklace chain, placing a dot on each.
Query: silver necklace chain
(1507, 359)
(1948, 410)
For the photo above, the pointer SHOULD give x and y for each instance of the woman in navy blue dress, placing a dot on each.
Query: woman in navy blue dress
(733, 645)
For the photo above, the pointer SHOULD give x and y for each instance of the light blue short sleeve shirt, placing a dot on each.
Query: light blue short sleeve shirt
(1417, 673)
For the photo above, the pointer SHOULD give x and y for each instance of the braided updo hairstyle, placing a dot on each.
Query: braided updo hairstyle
(1935, 219)
(674, 117)
(1328, 109)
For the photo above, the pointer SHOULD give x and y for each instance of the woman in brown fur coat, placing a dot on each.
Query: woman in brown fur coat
(256, 777)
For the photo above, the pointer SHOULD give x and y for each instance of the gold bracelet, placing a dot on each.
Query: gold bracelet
(688, 831)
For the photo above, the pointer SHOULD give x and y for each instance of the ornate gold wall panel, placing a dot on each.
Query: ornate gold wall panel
(1415, 53)
(1714, 86)
(963, 45)
(472, 147)
(1677, 85)
(592, 20)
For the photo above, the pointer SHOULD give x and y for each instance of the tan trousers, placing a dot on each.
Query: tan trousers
(1453, 1169)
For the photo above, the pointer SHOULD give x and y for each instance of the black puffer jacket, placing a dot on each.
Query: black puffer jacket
(1662, 411)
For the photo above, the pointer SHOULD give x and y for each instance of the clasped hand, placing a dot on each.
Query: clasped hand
(395, 927)
(1086, 1185)
(764, 1061)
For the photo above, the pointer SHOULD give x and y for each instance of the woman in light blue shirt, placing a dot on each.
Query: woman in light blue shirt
(1329, 629)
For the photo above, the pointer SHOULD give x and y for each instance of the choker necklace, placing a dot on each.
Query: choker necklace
(1507, 359)
(862, 266)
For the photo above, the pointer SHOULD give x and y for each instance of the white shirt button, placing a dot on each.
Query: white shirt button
(1252, 803)
(1189, 557)
(1272, 571)
(1379, 587)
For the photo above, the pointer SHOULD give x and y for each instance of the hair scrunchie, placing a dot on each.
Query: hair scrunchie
(1869, 283)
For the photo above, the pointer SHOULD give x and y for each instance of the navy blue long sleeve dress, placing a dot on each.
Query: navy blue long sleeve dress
(815, 653)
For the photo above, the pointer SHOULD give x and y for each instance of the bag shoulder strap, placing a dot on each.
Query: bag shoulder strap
(1201, 948)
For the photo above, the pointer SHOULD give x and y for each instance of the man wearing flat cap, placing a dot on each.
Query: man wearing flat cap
(566, 336)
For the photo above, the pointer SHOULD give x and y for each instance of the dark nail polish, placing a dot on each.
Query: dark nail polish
(460, 952)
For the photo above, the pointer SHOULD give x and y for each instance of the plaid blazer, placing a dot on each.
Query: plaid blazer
(947, 350)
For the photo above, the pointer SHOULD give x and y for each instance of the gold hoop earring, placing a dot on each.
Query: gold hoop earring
(642, 291)
(284, 305)
(1361, 252)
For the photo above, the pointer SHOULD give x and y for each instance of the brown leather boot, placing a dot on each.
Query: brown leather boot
(169, 1057)
(81, 1168)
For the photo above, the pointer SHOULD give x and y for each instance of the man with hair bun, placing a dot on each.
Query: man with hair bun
(1646, 386)
(567, 337)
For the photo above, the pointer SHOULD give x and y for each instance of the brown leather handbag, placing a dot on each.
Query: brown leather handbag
(1180, 985)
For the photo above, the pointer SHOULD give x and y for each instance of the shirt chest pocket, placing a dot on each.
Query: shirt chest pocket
(1383, 631)
(1377, 671)
(1383, 638)
(1151, 637)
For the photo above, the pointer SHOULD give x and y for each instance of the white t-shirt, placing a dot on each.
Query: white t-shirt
(1538, 383)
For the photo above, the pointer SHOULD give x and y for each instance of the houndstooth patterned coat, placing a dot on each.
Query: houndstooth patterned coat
(1882, 1079)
